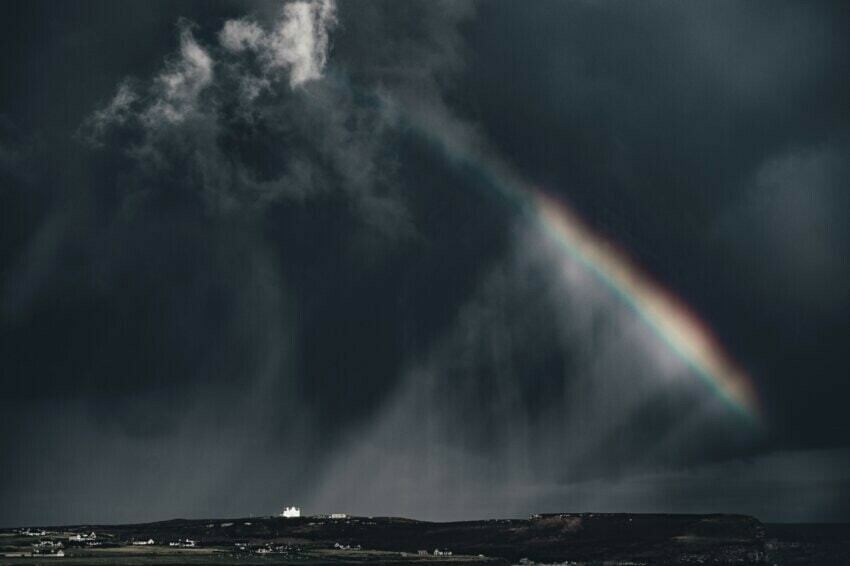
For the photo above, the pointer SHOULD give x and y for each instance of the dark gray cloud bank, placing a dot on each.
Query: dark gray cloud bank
(236, 275)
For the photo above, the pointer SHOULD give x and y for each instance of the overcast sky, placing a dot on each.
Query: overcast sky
(261, 254)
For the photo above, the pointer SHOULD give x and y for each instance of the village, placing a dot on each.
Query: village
(293, 537)
(59, 543)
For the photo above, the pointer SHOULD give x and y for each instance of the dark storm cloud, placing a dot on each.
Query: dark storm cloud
(16, 152)
(227, 244)
(245, 262)
(659, 121)
(792, 214)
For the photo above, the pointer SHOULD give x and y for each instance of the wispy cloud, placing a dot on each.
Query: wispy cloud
(177, 88)
(194, 118)
(297, 42)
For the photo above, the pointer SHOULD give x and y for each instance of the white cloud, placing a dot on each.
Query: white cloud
(116, 113)
(239, 35)
(180, 85)
(119, 107)
(300, 40)
(245, 87)
(297, 42)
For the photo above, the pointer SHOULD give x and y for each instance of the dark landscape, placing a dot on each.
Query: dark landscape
(446, 266)
(571, 538)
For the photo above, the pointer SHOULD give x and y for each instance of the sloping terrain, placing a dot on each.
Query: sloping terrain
(587, 538)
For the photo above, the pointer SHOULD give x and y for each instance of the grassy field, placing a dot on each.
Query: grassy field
(583, 538)
(127, 556)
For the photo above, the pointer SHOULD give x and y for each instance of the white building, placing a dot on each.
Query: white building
(49, 544)
(187, 543)
(339, 516)
(290, 512)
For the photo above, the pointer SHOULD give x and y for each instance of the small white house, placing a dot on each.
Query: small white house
(339, 516)
(187, 543)
(48, 544)
(290, 512)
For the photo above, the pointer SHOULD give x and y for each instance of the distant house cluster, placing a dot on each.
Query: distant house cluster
(185, 543)
(83, 537)
(268, 548)
(437, 552)
(292, 512)
(48, 549)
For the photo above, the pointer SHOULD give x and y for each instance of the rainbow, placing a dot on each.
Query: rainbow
(671, 319)
(665, 314)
